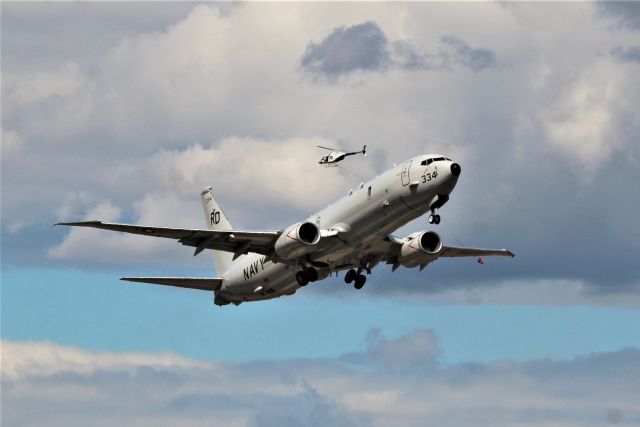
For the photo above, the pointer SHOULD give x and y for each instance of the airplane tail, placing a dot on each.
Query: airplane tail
(216, 220)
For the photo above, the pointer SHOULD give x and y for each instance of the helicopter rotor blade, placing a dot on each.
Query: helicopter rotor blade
(326, 148)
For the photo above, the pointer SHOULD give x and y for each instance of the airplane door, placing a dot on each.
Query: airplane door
(405, 173)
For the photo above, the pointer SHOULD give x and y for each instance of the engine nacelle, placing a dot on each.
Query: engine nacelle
(297, 240)
(420, 249)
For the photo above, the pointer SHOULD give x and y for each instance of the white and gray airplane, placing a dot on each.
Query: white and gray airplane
(336, 156)
(352, 234)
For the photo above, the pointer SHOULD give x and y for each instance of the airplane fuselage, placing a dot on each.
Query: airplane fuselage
(361, 219)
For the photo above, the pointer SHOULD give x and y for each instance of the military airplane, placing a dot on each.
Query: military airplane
(336, 156)
(353, 235)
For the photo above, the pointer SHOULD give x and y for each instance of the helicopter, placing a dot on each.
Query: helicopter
(337, 155)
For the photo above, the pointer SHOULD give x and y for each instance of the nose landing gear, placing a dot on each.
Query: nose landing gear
(358, 279)
(434, 218)
(437, 202)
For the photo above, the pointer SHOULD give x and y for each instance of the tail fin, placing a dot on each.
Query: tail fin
(216, 220)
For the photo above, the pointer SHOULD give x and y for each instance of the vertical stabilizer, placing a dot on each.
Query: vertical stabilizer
(216, 220)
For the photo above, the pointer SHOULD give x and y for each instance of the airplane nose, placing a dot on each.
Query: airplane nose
(455, 169)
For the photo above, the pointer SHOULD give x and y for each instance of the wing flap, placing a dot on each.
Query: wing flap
(201, 283)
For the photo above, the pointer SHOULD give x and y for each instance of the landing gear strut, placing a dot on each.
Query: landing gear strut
(439, 202)
(358, 279)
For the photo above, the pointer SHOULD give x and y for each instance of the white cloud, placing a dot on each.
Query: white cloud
(254, 169)
(104, 247)
(22, 360)
(416, 350)
(580, 123)
(37, 87)
(70, 386)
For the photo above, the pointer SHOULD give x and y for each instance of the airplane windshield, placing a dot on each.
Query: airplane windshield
(434, 159)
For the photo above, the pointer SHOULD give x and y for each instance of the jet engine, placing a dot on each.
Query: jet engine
(297, 240)
(420, 249)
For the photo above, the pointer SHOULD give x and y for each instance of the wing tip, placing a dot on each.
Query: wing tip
(79, 223)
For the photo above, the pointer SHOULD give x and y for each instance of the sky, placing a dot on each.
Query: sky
(124, 111)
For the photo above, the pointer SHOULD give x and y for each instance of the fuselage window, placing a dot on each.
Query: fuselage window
(369, 192)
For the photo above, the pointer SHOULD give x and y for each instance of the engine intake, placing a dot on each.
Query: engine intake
(297, 240)
(420, 249)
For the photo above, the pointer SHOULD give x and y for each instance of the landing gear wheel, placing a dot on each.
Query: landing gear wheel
(359, 281)
(434, 219)
(350, 276)
(312, 273)
(302, 278)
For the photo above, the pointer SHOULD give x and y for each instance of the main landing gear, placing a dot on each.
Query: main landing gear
(356, 277)
(307, 275)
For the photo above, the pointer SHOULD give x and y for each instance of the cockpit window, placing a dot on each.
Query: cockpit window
(435, 159)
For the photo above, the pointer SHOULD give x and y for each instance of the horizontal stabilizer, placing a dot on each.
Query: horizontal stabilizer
(202, 283)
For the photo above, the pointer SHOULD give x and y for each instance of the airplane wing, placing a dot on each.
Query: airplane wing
(236, 241)
(452, 251)
(202, 283)
(388, 250)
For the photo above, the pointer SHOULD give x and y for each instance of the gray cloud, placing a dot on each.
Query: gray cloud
(362, 47)
(465, 55)
(314, 409)
(627, 54)
(73, 387)
(625, 13)
(365, 47)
